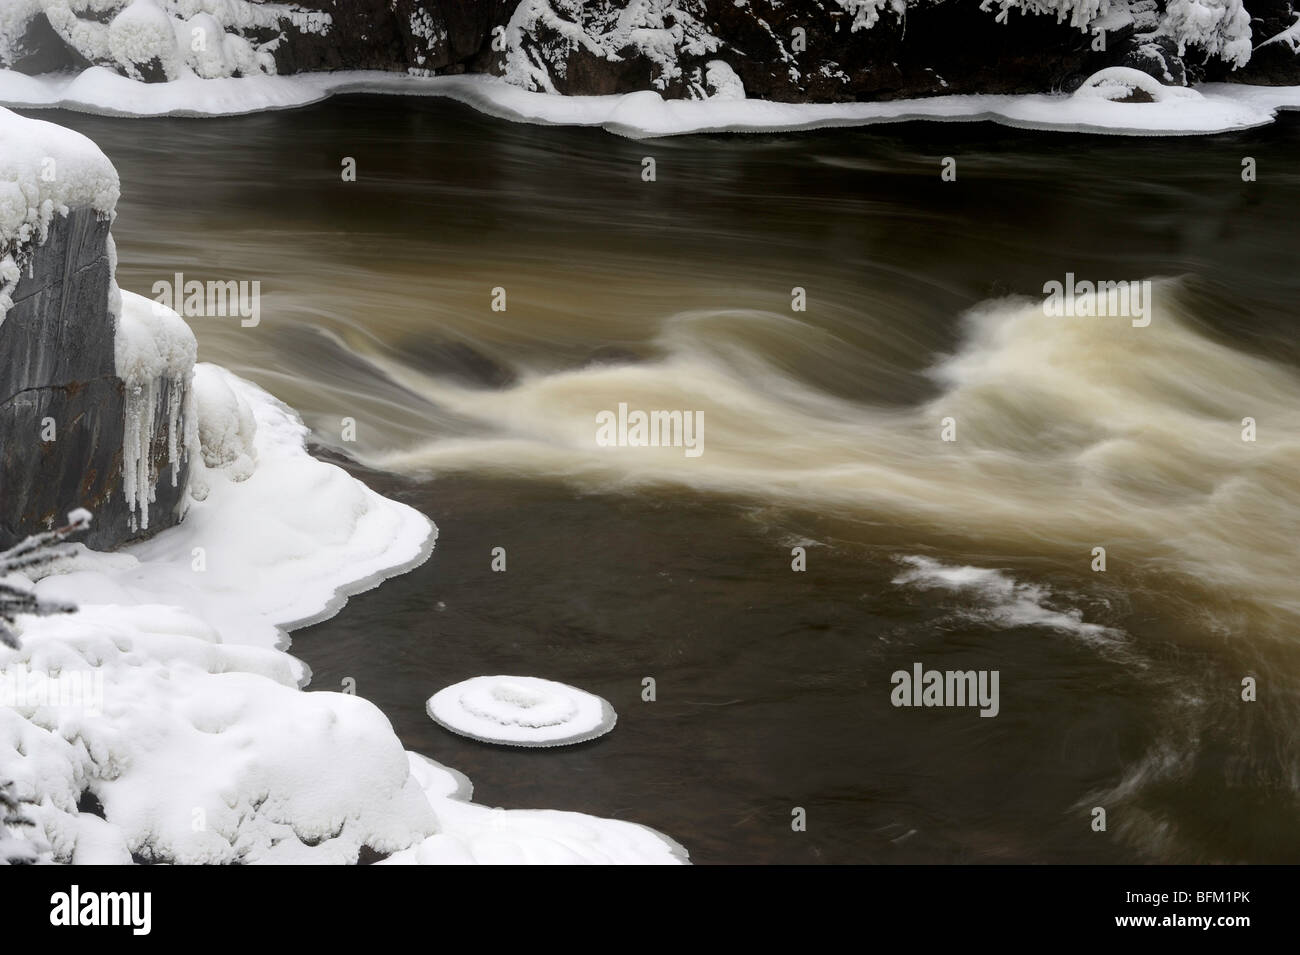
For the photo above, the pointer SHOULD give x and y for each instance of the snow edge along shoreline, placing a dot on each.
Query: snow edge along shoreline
(1209, 109)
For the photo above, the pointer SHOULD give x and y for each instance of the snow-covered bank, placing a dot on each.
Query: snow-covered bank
(273, 539)
(794, 51)
(189, 728)
(477, 835)
(1212, 108)
(188, 725)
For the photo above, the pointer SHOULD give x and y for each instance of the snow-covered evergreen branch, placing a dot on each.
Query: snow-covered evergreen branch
(1219, 27)
(36, 553)
(14, 850)
(1290, 36)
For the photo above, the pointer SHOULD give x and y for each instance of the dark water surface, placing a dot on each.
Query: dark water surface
(773, 687)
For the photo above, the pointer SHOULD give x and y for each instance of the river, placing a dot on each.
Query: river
(823, 430)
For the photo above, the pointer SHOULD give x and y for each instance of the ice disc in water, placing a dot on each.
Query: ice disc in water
(521, 711)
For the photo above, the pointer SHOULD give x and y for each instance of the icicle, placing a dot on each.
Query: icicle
(175, 409)
(137, 466)
(139, 476)
(155, 353)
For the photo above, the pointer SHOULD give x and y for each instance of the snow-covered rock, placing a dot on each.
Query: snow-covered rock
(1158, 57)
(166, 40)
(46, 170)
(1122, 84)
(15, 21)
(106, 387)
(655, 41)
(142, 40)
(225, 424)
(721, 81)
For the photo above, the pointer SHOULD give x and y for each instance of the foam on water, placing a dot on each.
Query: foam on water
(1003, 600)
(1071, 433)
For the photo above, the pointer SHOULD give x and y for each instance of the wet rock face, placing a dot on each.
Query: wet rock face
(793, 50)
(951, 47)
(1272, 63)
(57, 377)
(39, 50)
(435, 35)
(1157, 57)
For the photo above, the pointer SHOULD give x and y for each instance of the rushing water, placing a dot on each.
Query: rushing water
(822, 430)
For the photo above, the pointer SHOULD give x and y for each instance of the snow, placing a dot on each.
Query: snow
(303, 528)
(866, 13)
(1116, 83)
(226, 74)
(521, 711)
(47, 170)
(10, 273)
(185, 38)
(470, 834)
(1116, 18)
(143, 33)
(201, 718)
(225, 425)
(1290, 36)
(722, 82)
(14, 17)
(202, 747)
(1219, 27)
(155, 353)
(207, 50)
(1220, 108)
(211, 53)
(426, 29)
(439, 781)
(89, 38)
(659, 30)
(1078, 13)
(152, 342)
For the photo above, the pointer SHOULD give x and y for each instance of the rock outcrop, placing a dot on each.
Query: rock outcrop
(68, 421)
(784, 50)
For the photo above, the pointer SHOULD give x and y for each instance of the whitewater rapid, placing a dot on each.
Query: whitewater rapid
(1070, 434)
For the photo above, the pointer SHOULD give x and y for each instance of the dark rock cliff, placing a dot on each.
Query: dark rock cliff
(57, 376)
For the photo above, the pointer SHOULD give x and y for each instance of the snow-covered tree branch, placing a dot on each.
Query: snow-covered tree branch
(33, 555)
(17, 564)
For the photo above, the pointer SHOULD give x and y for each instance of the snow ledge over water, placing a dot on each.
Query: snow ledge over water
(168, 695)
(1210, 108)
